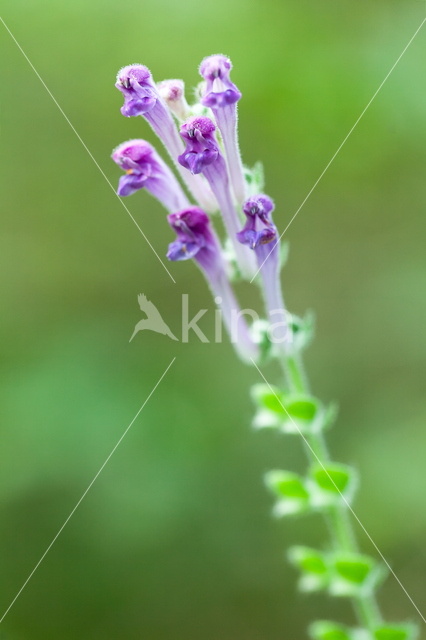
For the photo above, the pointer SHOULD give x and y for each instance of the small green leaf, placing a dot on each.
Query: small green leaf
(307, 559)
(325, 630)
(286, 484)
(302, 409)
(396, 632)
(333, 477)
(313, 564)
(353, 571)
(268, 398)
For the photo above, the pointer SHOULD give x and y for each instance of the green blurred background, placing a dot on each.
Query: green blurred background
(175, 541)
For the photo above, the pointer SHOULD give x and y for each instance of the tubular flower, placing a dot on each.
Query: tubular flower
(173, 94)
(202, 155)
(260, 234)
(142, 98)
(145, 168)
(196, 239)
(221, 95)
(220, 91)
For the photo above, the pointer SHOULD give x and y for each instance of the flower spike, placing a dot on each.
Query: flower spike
(196, 239)
(221, 95)
(142, 98)
(260, 234)
(145, 168)
(202, 155)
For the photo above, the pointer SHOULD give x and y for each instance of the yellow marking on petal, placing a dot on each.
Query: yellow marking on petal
(129, 172)
(184, 248)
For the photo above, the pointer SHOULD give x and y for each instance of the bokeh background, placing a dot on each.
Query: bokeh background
(176, 540)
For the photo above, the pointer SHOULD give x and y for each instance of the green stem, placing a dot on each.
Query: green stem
(340, 526)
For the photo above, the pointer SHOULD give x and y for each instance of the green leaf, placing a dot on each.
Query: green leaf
(266, 398)
(286, 484)
(352, 570)
(396, 632)
(325, 630)
(333, 477)
(302, 409)
(313, 564)
(307, 559)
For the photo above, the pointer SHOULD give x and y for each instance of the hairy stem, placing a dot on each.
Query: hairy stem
(340, 526)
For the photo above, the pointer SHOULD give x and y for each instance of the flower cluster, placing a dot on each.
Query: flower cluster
(202, 141)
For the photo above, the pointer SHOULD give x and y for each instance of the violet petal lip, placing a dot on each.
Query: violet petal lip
(145, 168)
(179, 250)
(213, 99)
(220, 91)
(129, 184)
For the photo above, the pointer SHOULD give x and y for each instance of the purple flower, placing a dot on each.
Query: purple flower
(201, 145)
(220, 91)
(196, 239)
(221, 95)
(202, 154)
(140, 93)
(259, 228)
(260, 234)
(173, 94)
(145, 168)
(142, 98)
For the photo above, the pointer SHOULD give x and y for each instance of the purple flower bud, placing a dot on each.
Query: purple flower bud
(173, 94)
(196, 239)
(145, 168)
(140, 94)
(260, 234)
(141, 97)
(202, 154)
(259, 229)
(220, 91)
(201, 146)
(221, 95)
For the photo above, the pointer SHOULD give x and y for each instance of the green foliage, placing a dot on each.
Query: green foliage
(325, 630)
(396, 632)
(291, 412)
(329, 481)
(314, 568)
(302, 408)
(353, 574)
(291, 491)
(332, 478)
